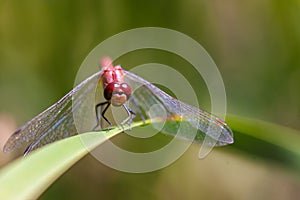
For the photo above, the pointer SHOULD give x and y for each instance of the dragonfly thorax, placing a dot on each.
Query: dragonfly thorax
(111, 75)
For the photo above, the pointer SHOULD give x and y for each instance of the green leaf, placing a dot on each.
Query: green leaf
(28, 177)
(268, 141)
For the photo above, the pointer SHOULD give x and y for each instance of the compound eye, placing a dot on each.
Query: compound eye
(109, 89)
(126, 89)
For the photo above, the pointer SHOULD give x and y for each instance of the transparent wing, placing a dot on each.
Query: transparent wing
(146, 95)
(56, 122)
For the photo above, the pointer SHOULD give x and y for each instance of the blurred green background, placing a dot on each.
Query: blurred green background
(255, 44)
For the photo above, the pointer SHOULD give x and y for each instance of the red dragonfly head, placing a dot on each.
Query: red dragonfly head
(112, 77)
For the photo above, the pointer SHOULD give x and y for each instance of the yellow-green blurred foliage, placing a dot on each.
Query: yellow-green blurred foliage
(255, 44)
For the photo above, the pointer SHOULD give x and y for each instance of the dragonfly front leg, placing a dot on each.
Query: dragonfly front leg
(107, 103)
(131, 116)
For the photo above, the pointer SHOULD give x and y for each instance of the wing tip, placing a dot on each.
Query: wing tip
(10, 143)
(7, 147)
(229, 134)
(226, 131)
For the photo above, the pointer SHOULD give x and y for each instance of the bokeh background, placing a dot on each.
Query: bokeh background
(255, 44)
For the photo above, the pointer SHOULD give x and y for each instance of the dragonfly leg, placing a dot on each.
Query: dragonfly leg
(102, 114)
(101, 118)
(131, 116)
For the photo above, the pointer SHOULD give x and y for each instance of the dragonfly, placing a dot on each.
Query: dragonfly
(58, 121)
